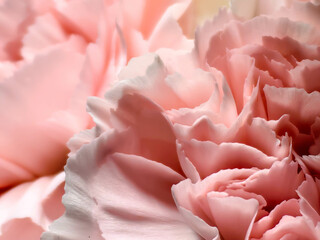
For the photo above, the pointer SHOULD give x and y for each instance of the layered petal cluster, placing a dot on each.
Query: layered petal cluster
(53, 55)
(220, 142)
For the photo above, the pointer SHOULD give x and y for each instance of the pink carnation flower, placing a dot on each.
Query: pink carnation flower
(53, 55)
(221, 142)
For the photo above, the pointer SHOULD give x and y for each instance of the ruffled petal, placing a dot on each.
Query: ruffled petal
(292, 227)
(31, 207)
(208, 157)
(147, 211)
(290, 207)
(276, 184)
(238, 34)
(233, 216)
(38, 115)
(297, 103)
(113, 170)
(309, 193)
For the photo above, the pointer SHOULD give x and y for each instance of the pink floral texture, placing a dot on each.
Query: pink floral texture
(28, 209)
(53, 55)
(221, 142)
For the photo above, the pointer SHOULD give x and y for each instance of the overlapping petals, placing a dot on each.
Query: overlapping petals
(53, 55)
(28, 209)
(220, 142)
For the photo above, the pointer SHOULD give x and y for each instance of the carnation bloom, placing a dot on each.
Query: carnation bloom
(53, 55)
(221, 142)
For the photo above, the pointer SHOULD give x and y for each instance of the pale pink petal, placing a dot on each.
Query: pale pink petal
(138, 67)
(208, 157)
(14, 16)
(275, 63)
(194, 201)
(81, 138)
(177, 86)
(203, 129)
(283, 126)
(106, 56)
(79, 201)
(293, 50)
(110, 54)
(38, 110)
(238, 34)
(181, 61)
(244, 67)
(309, 199)
(276, 184)
(220, 107)
(267, 141)
(290, 207)
(100, 111)
(305, 75)
(312, 161)
(136, 44)
(193, 197)
(233, 216)
(199, 226)
(168, 34)
(292, 228)
(187, 166)
(147, 212)
(27, 230)
(209, 29)
(236, 71)
(194, 89)
(243, 130)
(297, 103)
(110, 172)
(153, 130)
(80, 17)
(307, 12)
(152, 84)
(31, 207)
(147, 15)
(146, 27)
(45, 32)
(238, 191)
(7, 69)
(12, 174)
